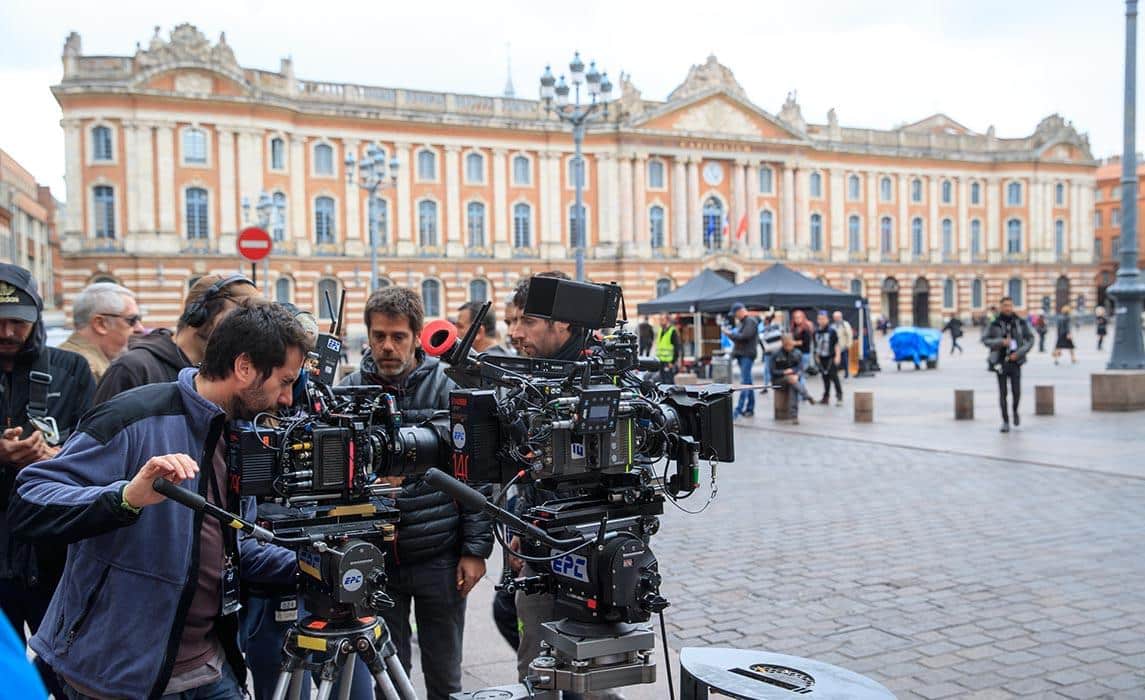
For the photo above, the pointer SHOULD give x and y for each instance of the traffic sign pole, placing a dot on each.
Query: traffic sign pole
(254, 244)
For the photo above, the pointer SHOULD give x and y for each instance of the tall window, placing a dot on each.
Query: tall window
(948, 294)
(324, 231)
(1115, 217)
(1059, 194)
(885, 192)
(854, 188)
(282, 290)
(478, 290)
(656, 174)
(522, 173)
(1014, 194)
(196, 214)
(765, 180)
(1059, 238)
(195, 147)
(427, 223)
(816, 232)
(426, 165)
(475, 224)
(475, 168)
(816, 185)
(1115, 192)
(656, 226)
(947, 237)
(1097, 248)
(1014, 290)
(854, 234)
(713, 220)
(947, 192)
(101, 143)
(975, 193)
(104, 200)
(278, 217)
(1115, 246)
(766, 230)
(327, 289)
(1013, 236)
(886, 234)
(576, 236)
(277, 154)
(1097, 223)
(975, 237)
(857, 287)
(663, 286)
(916, 190)
(522, 225)
(916, 238)
(431, 297)
(976, 294)
(323, 159)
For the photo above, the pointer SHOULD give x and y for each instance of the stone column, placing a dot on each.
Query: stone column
(903, 219)
(608, 216)
(932, 227)
(627, 213)
(695, 210)
(871, 244)
(679, 211)
(454, 238)
(403, 203)
(542, 236)
(963, 226)
(165, 180)
(993, 227)
(228, 198)
(130, 200)
(1048, 236)
(1034, 224)
(751, 177)
(802, 214)
(739, 210)
(1073, 222)
(838, 245)
(787, 210)
(502, 246)
(1083, 236)
(558, 212)
(298, 233)
(641, 231)
(145, 157)
(75, 224)
(357, 239)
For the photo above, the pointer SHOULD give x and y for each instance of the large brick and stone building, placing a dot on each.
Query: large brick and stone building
(1107, 223)
(929, 219)
(28, 237)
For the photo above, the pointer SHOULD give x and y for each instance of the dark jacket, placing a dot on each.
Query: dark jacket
(954, 325)
(432, 524)
(786, 359)
(69, 396)
(152, 359)
(826, 338)
(127, 569)
(803, 338)
(1014, 327)
(745, 338)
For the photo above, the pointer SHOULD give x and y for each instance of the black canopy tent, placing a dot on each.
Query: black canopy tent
(686, 299)
(780, 287)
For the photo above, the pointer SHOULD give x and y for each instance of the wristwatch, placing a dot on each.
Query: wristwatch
(125, 505)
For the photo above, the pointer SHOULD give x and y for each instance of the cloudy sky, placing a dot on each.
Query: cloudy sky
(879, 63)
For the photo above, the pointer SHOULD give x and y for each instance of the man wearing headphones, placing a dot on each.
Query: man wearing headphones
(158, 356)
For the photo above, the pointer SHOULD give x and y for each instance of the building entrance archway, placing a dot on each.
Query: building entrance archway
(920, 303)
(891, 300)
(1061, 293)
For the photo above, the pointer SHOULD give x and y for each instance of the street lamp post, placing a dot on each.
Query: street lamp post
(1129, 290)
(264, 210)
(556, 97)
(374, 173)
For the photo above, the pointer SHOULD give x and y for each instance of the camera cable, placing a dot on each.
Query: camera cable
(667, 658)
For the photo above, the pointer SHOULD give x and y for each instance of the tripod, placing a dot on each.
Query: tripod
(338, 644)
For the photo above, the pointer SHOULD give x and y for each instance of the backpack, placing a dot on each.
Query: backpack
(770, 338)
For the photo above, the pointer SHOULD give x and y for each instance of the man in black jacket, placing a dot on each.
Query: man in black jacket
(1009, 338)
(42, 391)
(786, 366)
(439, 553)
(744, 339)
(827, 358)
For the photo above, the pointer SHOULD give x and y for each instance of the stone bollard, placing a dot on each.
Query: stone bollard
(864, 406)
(963, 404)
(782, 396)
(1044, 400)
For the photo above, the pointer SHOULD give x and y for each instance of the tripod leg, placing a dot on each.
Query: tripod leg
(325, 688)
(386, 685)
(398, 674)
(280, 688)
(347, 680)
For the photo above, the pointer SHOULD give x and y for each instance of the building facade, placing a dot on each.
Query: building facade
(928, 220)
(1107, 223)
(28, 228)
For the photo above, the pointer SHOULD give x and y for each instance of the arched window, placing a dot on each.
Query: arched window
(948, 293)
(323, 159)
(1059, 238)
(663, 286)
(1014, 290)
(478, 290)
(277, 154)
(766, 184)
(976, 294)
(886, 234)
(713, 219)
(522, 225)
(816, 185)
(857, 287)
(324, 222)
(522, 172)
(916, 190)
(916, 238)
(426, 165)
(656, 174)
(975, 237)
(427, 223)
(886, 193)
(282, 289)
(195, 147)
(947, 237)
(854, 233)
(196, 220)
(475, 224)
(101, 144)
(1059, 194)
(947, 192)
(854, 188)
(766, 230)
(327, 289)
(975, 193)
(576, 236)
(1014, 236)
(816, 232)
(475, 168)
(431, 297)
(103, 198)
(1014, 194)
(381, 222)
(278, 217)
(656, 226)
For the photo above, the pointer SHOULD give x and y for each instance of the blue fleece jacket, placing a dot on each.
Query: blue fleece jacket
(116, 619)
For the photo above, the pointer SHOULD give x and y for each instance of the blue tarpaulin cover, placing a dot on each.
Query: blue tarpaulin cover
(910, 343)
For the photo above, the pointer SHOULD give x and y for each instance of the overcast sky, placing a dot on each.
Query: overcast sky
(879, 63)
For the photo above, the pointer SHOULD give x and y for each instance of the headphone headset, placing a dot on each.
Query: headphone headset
(197, 314)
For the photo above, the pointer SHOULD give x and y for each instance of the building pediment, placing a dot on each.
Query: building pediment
(192, 81)
(717, 112)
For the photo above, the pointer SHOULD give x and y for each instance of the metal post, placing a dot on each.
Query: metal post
(373, 225)
(1128, 351)
(578, 215)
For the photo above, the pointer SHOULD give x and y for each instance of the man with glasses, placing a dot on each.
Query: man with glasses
(105, 315)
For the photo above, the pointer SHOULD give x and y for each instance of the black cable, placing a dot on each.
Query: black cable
(667, 658)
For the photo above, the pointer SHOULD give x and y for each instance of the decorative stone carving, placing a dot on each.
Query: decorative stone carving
(187, 45)
(717, 116)
(791, 114)
(631, 103)
(833, 130)
(707, 75)
(193, 84)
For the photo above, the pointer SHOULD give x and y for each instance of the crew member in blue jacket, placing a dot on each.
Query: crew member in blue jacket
(146, 606)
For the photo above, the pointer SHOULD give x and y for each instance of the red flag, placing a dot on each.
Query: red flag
(725, 229)
(741, 230)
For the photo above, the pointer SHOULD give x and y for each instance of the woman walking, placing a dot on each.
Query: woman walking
(1102, 325)
(1065, 336)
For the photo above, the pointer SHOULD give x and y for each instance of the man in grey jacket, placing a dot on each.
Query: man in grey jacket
(745, 338)
(1009, 338)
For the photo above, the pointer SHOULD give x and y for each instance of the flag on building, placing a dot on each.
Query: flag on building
(741, 230)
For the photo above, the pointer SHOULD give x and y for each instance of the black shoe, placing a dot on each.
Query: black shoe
(826, 399)
(748, 414)
(1005, 427)
(1017, 419)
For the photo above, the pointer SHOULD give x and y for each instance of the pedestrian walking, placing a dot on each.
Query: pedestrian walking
(645, 335)
(744, 338)
(1065, 336)
(954, 326)
(827, 358)
(1041, 328)
(846, 338)
(788, 367)
(770, 336)
(1102, 325)
(1009, 338)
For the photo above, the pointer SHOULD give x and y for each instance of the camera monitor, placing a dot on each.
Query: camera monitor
(582, 304)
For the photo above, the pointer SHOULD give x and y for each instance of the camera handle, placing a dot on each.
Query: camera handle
(199, 504)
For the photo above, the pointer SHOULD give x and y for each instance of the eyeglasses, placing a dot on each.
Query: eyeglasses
(131, 320)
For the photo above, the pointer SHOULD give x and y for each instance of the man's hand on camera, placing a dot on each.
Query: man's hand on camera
(23, 452)
(175, 468)
(469, 572)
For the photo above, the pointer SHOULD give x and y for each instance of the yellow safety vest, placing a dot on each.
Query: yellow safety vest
(665, 350)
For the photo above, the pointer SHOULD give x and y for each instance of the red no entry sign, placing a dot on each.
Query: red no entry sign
(254, 243)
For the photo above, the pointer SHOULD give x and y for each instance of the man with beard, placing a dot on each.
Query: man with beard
(168, 573)
(1009, 338)
(439, 553)
(486, 339)
(42, 390)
